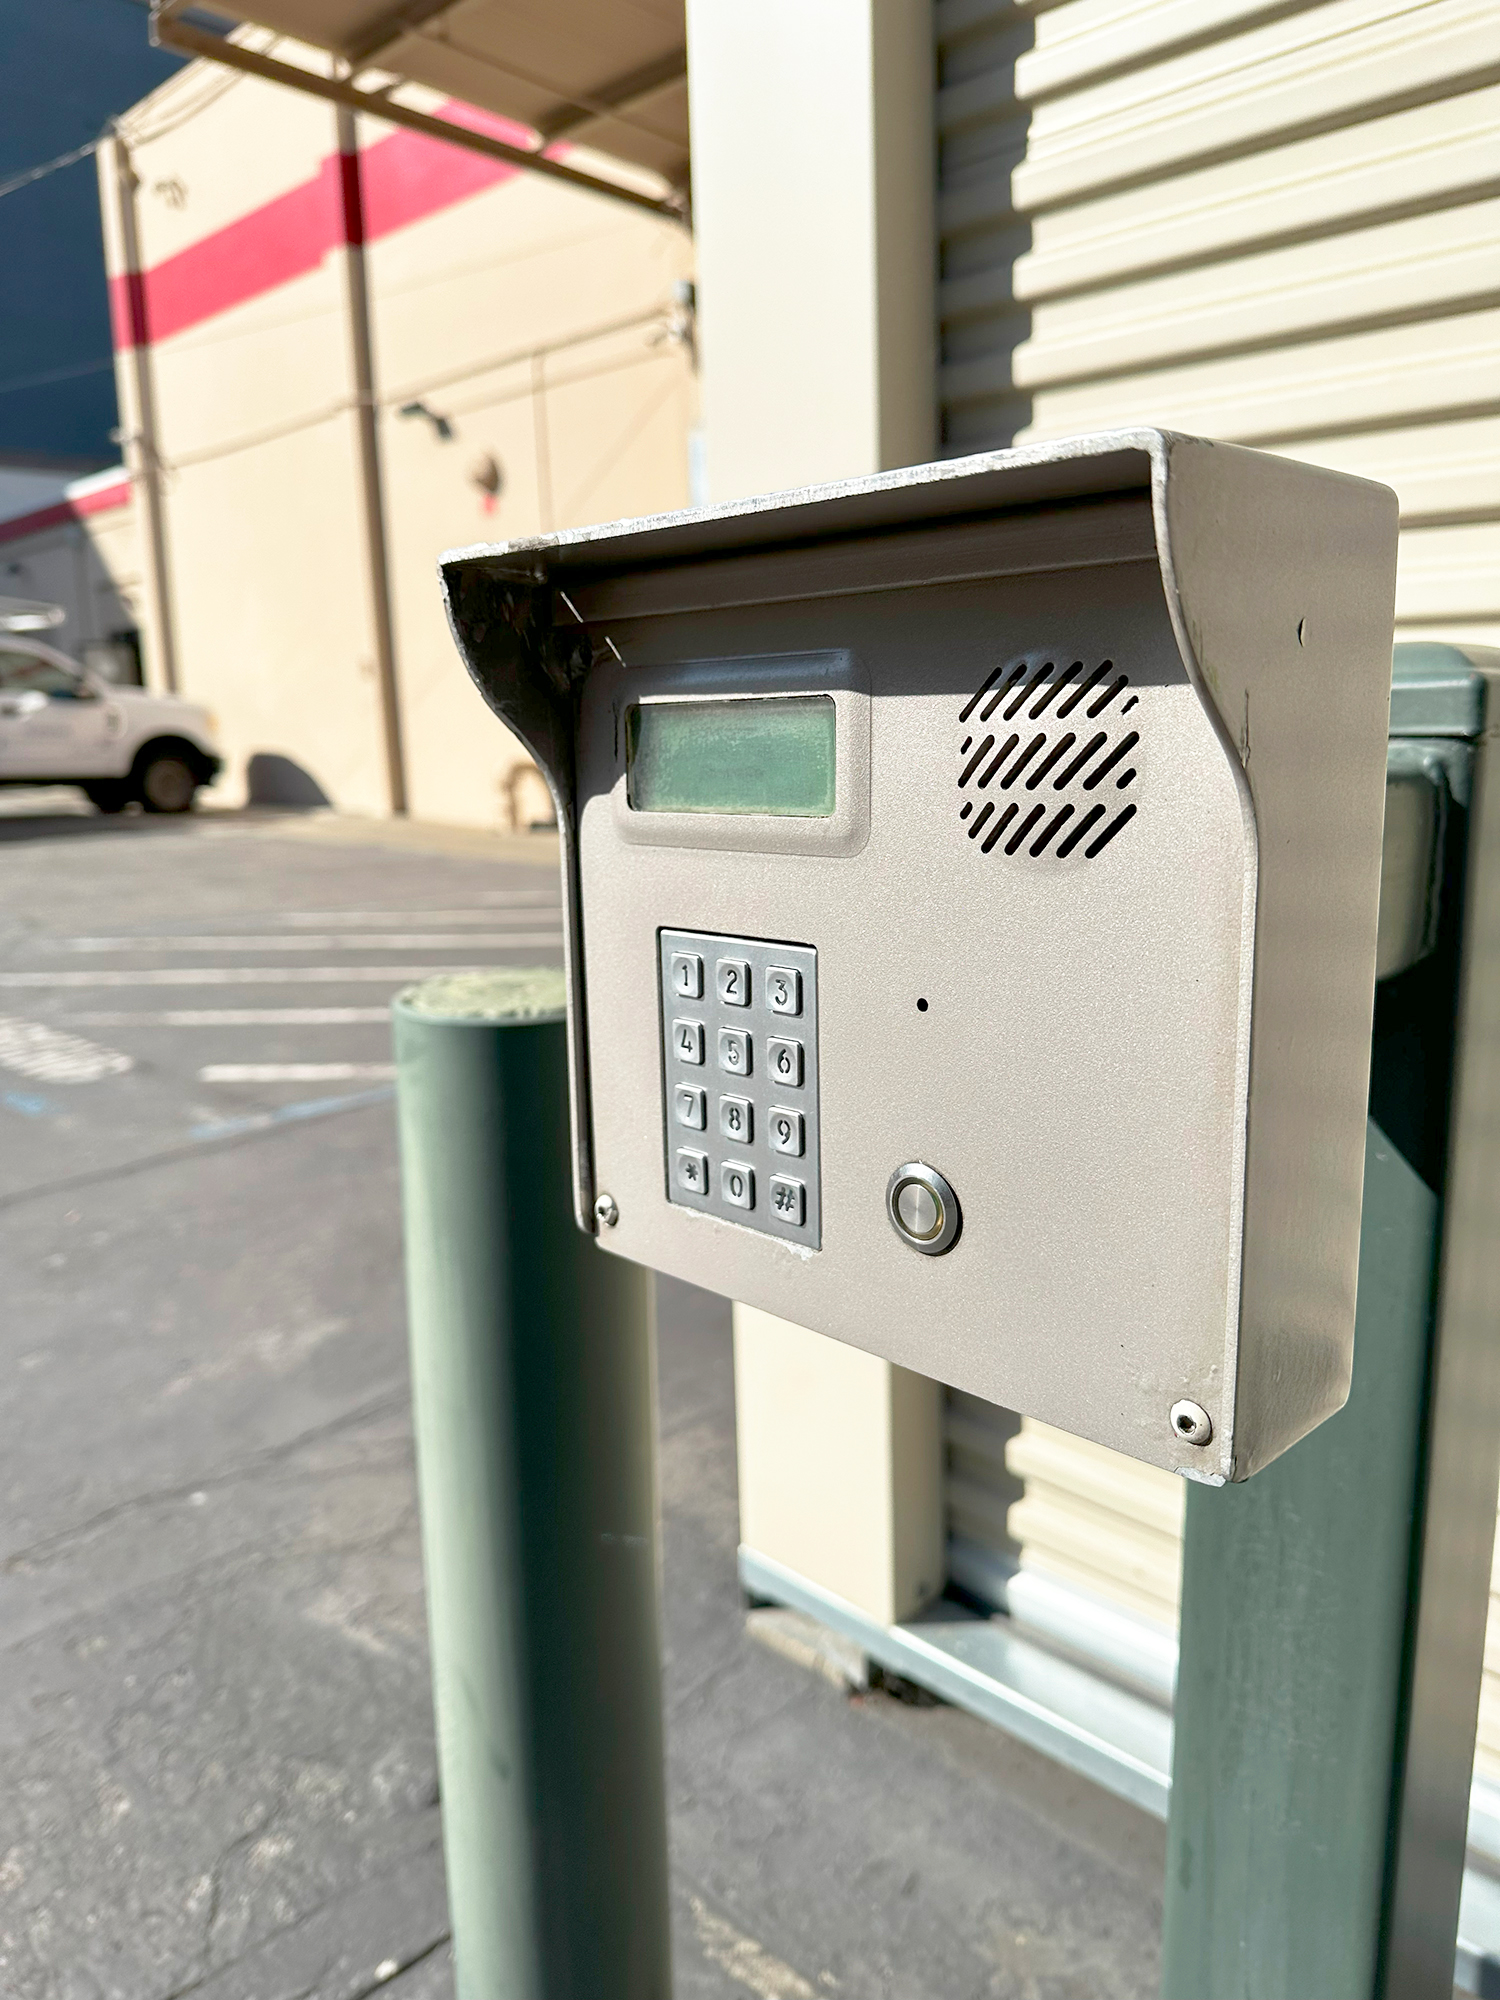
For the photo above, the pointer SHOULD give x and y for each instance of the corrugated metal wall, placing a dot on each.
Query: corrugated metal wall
(1270, 223)
(1265, 223)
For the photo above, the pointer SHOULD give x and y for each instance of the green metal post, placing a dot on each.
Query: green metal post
(1333, 1607)
(533, 1393)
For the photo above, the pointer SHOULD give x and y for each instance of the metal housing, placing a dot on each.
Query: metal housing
(1142, 1063)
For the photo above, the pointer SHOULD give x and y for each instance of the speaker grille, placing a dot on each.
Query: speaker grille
(1046, 751)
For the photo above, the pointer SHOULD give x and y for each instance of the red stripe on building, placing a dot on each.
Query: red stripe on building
(406, 176)
(103, 500)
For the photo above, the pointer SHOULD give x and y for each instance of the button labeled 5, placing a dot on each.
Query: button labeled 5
(734, 1050)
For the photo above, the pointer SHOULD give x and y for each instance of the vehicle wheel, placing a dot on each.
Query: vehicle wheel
(167, 784)
(112, 796)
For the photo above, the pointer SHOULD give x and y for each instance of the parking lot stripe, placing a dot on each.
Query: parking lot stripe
(233, 941)
(294, 1072)
(239, 1017)
(248, 975)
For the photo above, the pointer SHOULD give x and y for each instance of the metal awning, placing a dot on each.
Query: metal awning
(607, 74)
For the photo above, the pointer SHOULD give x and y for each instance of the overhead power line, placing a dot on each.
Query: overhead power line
(48, 167)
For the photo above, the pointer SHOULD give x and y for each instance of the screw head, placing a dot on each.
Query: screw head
(1191, 1423)
(606, 1211)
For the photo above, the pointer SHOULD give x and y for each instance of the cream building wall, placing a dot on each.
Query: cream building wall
(491, 295)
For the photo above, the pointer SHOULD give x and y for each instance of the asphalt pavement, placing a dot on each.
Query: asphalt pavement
(216, 1764)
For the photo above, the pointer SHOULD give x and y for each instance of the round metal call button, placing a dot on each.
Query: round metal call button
(923, 1208)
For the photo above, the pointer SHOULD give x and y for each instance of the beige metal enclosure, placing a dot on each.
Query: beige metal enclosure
(1132, 1035)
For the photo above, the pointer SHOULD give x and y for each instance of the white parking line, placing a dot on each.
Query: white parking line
(527, 903)
(379, 941)
(338, 1072)
(246, 975)
(49, 1055)
(240, 1017)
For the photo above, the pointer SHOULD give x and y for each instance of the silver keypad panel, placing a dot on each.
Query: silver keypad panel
(740, 1060)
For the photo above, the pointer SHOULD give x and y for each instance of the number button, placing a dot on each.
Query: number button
(784, 990)
(691, 1107)
(786, 1132)
(737, 1119)
(692, 1171)
(788, 1200)
(687, 1041)
(734, 982)
(737, 1184)
(785, 1059)
(734, 1050)
(687, 975)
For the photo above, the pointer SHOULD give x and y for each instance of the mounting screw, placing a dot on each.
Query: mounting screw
(1192, 1423)
(607, 1214)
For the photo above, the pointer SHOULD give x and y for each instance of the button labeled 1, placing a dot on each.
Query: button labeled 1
(687, 975)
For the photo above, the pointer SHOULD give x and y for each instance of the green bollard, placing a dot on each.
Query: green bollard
(1333, 1608)
(533, 1393)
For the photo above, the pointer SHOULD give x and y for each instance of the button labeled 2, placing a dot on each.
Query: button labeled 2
(733, 980)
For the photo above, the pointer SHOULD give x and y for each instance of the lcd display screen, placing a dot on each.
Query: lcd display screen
(767, 754)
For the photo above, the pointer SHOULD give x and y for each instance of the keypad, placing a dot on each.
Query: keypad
(740, 1055)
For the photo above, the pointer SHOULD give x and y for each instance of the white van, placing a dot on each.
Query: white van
(60, 724)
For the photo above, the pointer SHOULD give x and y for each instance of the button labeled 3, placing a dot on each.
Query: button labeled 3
(784, 989)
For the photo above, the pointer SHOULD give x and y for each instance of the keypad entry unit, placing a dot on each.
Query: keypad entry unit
(739, 1023)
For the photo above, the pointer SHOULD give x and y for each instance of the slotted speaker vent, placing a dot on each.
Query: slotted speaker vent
(1046, 750)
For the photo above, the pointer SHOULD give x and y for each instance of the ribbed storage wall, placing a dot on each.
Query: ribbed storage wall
(1270, 223)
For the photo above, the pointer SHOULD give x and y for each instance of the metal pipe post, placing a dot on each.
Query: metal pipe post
(1333, 1608)
(533, 1391)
